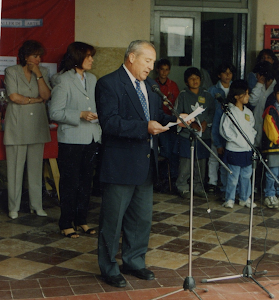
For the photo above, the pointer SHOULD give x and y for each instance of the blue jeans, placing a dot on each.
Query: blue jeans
(240, 176)
(271, 188)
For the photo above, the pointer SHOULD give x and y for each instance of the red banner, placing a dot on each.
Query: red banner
(56, 31)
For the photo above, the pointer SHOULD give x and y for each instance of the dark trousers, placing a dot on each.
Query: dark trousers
(167, 140)
(76, 165)
(127, 208)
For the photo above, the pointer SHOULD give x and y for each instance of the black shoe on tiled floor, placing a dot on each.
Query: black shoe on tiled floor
(141, 273)
(116, 281)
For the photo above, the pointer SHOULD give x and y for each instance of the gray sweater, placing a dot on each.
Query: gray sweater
(187, 102)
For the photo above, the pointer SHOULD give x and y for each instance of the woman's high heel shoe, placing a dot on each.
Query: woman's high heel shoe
(88, 231)
(39, 212)
(71, 235)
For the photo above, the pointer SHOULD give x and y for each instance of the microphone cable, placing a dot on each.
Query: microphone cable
(211, 220)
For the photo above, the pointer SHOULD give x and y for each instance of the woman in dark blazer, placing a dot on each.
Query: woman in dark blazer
(26, 126)
(73, 108)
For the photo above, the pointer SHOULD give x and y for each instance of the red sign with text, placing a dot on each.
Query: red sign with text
(50, 22)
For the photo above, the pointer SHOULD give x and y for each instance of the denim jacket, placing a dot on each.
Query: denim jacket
(217, 139)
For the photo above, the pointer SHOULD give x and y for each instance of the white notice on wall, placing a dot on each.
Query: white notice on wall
(176, 41)
(6, 61)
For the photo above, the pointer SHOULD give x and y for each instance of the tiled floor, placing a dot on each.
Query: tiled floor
(37, 262)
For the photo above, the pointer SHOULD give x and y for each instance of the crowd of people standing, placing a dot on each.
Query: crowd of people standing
(248, 102)
(121, 112)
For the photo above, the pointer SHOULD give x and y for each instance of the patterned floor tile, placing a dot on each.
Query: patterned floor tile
(12, 247)
(166, 259)
(8, 229)
(157, 240)
(17, 268)
(161, 216)
(85, 262)
(35, 259)
(81, 244)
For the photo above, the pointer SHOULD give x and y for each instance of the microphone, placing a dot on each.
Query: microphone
(157, 90)
(221, 100)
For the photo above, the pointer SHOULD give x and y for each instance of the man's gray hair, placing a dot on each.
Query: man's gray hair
(135, 47)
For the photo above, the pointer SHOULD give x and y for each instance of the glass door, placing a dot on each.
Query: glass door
(200, 39)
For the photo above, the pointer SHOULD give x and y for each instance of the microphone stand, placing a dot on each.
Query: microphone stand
(189, 282)
(247, 271)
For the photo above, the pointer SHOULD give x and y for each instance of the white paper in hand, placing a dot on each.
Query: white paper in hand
(196, 112)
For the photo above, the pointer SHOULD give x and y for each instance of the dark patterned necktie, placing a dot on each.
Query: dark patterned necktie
(142, 100)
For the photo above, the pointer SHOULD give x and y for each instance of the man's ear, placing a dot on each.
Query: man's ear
(132, 57)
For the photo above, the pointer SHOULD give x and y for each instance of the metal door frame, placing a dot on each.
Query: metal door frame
(244, 39)
(196, 51)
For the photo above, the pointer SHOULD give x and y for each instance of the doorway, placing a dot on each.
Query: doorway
(200, 39)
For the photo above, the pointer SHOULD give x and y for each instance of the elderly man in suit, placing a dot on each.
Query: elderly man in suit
(131, 117)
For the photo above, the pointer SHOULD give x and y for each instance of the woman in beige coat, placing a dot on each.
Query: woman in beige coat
(26, 126)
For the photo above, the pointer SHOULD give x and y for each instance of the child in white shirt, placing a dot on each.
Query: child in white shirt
(238, 153)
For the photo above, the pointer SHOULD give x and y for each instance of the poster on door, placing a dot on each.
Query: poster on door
(176, 41)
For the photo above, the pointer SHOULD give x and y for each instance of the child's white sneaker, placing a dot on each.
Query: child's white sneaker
(247, 203)
(271, 202)
(228, 204)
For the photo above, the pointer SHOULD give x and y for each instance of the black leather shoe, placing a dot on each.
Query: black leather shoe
(141, 273)
(116, 281)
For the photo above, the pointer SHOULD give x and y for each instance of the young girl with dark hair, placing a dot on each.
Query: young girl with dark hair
(238, 153)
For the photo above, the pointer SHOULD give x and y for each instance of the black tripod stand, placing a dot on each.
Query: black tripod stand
(247, 270)
(189, 282)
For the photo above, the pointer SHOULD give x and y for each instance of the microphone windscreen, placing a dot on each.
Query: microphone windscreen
(155, 88)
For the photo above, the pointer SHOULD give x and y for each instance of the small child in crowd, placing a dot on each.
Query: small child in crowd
(238, 153)
(189, 100)
(270, 147)
(167, 86)
(225, 73)
(167, 139)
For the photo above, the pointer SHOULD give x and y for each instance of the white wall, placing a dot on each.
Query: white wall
(112, 23)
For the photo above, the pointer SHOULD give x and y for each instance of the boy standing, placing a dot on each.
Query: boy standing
(225, 73)
(167, 139)
(168, 87)
(189, 100)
